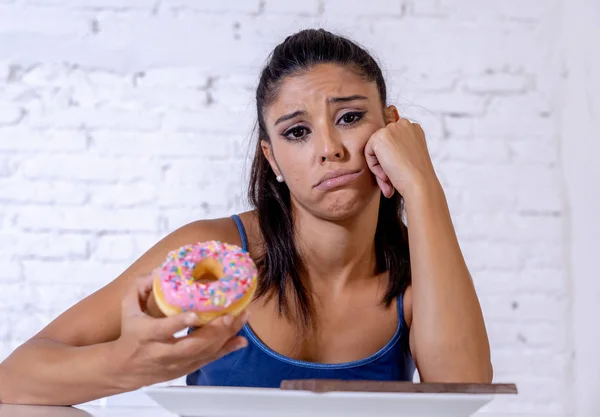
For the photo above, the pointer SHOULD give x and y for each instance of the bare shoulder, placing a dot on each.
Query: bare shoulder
(223, 229)
(97, 318)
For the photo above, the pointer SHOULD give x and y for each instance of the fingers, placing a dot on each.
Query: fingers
(164, 328)
(233, 344)
(198, 359)
(386, 188)
(137, 295)
(373, 163)
(415, 127)
(375, 167)
(220, 330)
(420, 132)
(378, 171)
(212, 336)
(406, 121)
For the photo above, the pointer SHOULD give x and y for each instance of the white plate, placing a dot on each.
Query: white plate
(196, 401)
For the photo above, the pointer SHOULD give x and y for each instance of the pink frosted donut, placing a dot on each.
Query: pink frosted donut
(208, 278)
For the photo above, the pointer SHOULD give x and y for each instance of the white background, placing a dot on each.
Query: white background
(123, 120)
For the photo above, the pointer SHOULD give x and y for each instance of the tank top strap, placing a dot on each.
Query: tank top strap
(241, 231)
(401, 321)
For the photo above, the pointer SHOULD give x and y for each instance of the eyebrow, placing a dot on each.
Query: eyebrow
(331, 100)
(290, 116)
(345, 99)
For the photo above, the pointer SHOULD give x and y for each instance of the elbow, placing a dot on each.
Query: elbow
(489, 376)
(461, 374)
(483, 374)
(486, 367)
(9, 394)
(4, 384)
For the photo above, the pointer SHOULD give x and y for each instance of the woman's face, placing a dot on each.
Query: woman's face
(318, 128)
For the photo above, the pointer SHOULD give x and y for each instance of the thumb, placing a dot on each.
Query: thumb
(137, 295)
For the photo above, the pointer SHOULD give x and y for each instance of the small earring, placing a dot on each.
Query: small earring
(279, 178)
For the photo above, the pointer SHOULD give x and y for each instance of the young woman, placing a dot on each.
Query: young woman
(340, 294)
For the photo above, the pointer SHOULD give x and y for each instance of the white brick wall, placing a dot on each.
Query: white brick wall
(122, 120)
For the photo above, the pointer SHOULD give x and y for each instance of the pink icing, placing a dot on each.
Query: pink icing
(181, 290)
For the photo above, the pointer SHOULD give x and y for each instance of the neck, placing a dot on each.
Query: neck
(337, 252)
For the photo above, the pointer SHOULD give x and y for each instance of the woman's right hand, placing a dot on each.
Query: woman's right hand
(147, 351)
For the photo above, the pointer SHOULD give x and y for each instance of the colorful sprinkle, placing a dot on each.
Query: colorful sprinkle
(182, 290)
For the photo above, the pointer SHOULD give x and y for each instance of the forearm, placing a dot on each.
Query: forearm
(44, 372)
(448, 331)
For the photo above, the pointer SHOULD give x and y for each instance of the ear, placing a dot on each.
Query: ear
(391, 114)
(268, 153)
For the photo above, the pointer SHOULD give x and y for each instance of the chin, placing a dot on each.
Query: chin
(345, 203)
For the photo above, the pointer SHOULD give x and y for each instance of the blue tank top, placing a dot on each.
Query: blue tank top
(257, 365)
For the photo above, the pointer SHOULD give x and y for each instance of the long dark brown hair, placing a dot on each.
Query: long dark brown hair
(280, 265)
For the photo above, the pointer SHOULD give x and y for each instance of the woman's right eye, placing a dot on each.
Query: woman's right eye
(295, 133)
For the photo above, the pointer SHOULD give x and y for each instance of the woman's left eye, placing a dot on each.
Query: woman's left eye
(351, 118)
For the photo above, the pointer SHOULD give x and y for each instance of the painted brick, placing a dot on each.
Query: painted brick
(123, 120)
(85, 219)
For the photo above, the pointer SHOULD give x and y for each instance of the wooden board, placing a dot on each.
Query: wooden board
(329, 385)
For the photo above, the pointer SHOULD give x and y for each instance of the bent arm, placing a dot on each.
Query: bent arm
(448, 337)
(68, 362)
(45, 372)
(72, 359)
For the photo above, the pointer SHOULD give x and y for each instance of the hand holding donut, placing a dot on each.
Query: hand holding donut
(398, 157)
(148, 353)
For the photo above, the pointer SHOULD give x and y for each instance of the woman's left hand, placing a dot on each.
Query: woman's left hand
(398, 157)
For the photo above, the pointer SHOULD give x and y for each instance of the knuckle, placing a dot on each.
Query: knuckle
(195, 345)
(191, 346)
(219, 329)
(188, 349)
(163, 355)
(155, 333)
(381, 137)
(381, 132)
(373, 139)
(207, 332)
(171, 364)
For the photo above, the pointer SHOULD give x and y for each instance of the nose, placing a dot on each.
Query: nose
(331, 147)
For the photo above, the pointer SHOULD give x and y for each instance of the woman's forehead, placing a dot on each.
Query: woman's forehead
(320, 84)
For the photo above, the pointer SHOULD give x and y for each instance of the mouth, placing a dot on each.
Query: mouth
(337, 178)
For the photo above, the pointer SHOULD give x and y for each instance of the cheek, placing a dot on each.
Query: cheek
(298, 167)
(356, 139)
(292, 160)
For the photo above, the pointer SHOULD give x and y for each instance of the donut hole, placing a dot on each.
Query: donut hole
(207, 271)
